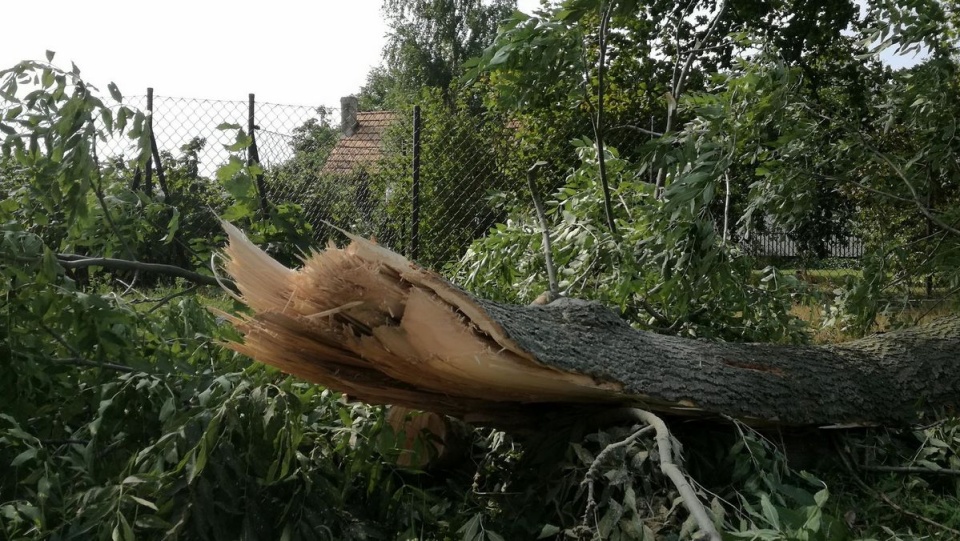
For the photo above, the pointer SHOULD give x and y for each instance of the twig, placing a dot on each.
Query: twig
(726, 207)
(77, 361)
(908, 469)
(60, 340)
(222, 282)
(644, 131)
(170, 297)
(71, 262)
(662, 319)
(937, 304)
(870, 189)
(913, 191)
(594, 469)
(553, 286)
(60, 443)
(870, 490)
(680, 79)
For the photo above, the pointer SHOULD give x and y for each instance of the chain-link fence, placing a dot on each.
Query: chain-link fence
(419, 180)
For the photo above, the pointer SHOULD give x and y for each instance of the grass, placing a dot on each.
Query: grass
(918, 312)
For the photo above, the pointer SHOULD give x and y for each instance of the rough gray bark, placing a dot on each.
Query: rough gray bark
(890, 378)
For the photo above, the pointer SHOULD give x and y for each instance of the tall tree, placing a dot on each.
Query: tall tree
(429, 42)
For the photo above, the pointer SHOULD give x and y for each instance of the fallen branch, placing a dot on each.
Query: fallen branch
(72, 261)
(896, 507)
(672, 471)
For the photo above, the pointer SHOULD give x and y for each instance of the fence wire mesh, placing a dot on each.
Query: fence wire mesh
(355, 170)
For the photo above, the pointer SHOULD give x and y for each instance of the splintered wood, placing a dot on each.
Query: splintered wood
(368, 322)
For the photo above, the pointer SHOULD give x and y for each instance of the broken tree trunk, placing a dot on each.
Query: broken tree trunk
(366, 321)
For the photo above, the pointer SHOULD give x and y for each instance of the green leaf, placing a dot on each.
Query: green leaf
(127, 530)
(115, 92)
(107, 116)
(471, 528)
(172, 227)
(228, 170)
(770, 512)
(143, 502)
(821, 497)
(502, 55)
(50, 55)
(548, 530)
(23, 457)
(242, 142)
(167, 409)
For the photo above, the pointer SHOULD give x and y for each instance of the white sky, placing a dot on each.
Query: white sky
(284, 51)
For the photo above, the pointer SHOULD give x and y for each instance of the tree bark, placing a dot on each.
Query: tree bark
(367, 322)
(889, 378)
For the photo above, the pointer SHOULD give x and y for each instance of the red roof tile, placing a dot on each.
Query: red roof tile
(364, 147)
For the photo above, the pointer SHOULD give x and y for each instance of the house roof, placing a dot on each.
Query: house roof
(364, 147)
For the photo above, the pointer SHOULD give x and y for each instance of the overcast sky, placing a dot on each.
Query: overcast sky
(284, 51)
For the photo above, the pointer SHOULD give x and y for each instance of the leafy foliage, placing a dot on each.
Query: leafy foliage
(665, 270)
(428, 42)
(123, 417)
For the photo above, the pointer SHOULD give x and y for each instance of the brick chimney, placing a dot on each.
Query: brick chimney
(348, 115)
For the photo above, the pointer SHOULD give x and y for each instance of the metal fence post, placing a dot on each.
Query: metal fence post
(253, 154)
(415, 213)
(155, 154)
(148, 181)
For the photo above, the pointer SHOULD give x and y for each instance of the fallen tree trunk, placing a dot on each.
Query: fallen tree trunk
(365, 321)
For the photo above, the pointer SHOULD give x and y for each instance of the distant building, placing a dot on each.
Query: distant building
(361, 144)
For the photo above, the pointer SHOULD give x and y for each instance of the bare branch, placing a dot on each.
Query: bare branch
(682, 79)
(679, 81)
(673, 472)
(910, 469)
(598, 128)
(170, 297)
(76, 361)
(71, 261)
(594, 470)
(553, 286)
(637, 129)
(916, 198)
(870, 490)
(79, 360)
